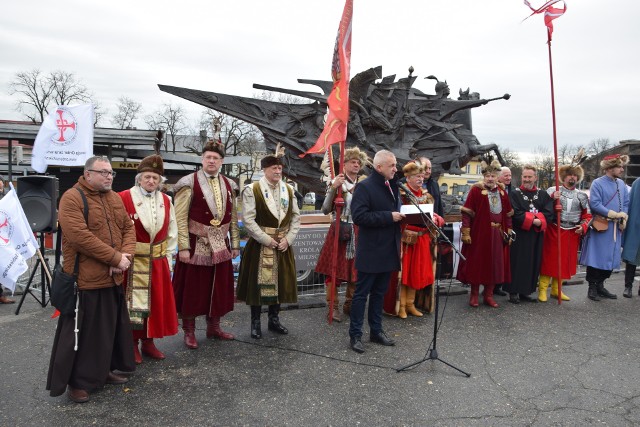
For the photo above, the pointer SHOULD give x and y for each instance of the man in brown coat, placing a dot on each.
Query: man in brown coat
(85, 359)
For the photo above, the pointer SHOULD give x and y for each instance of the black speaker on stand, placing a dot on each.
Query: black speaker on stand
(38, 195)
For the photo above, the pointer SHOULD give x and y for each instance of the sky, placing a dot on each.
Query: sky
(125, 48)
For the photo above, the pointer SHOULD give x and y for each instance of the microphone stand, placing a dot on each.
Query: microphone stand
(436, 232)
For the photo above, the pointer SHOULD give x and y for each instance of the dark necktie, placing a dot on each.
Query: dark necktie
(390, 190)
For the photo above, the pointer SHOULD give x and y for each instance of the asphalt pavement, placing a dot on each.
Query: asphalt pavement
(530, 365)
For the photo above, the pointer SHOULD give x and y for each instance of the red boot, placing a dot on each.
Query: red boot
(488, 296)
(473, 297)
(136, 351)
(150, 349)
(214, 330)
(189, 328)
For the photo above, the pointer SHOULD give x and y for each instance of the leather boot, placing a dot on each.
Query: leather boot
(410, 306)
(136, 351)
(554, 291)
(629, 275)
(150, 349)
(274, 321)
(402, 312)
(487, 296)
(543, 284)
(256, 328)
(473, 296)
(348, 297)
(214, 330)
(592, 294)
(189, 328)
(603, 292)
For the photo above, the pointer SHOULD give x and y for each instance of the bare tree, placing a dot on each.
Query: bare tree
(98, 112)
(545, 163)
(597, 146)
(566, 153)
(510, 157)
(171, 119)
(128, 111)
(38, 91)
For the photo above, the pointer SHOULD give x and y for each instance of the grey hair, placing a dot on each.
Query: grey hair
(382, 155)
(504, 169)
(92, 160)
(163, 179)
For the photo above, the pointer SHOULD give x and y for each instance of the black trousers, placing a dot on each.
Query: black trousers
(597, 275)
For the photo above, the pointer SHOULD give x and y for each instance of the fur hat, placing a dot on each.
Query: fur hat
(493, 167)
(355, 153)
(152, 163)
(413, 168)
(215, 146)
(566, 170)
(614, 160)
(273, 159)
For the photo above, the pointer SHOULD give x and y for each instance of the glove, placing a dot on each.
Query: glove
(623, 216)
(616, 215)
(623, 223)
(466, 235)
(438, 220)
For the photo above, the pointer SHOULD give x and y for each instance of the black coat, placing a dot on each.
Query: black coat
(378, 248)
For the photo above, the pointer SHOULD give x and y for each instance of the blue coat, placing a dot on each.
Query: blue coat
(378, 248)
(600, 249)
(630, 253)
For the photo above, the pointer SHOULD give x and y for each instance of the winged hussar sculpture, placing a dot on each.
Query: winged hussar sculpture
(384, 114)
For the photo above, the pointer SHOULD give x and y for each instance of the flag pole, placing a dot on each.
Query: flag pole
(557, 203)
(339, 204)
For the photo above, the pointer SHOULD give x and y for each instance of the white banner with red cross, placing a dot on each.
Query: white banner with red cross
(65, 138)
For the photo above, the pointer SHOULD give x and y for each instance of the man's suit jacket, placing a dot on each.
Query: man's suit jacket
(378, 248)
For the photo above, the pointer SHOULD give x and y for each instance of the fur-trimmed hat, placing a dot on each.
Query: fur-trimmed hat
(566, 170)
(493, 167)
(413, 168)
(614, 160)
(215, 146)
(273, 159)
(355, 153)
(152, 163)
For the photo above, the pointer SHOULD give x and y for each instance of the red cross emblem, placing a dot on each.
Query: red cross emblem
(6, 229)
(66, 124)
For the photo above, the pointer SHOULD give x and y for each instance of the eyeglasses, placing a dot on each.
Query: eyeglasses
(105, 174)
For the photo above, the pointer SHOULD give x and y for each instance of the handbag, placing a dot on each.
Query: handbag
(599, 223)
(64, 286)
(346, 229)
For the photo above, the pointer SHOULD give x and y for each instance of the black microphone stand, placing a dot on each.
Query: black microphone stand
(436, 232)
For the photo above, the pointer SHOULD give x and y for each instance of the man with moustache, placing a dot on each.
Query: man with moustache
(574, 221)
(96, 340)
(267, 270)
(208, 239)
(609, 200)
(375, 209)
(504, 178)
(150, 299)
(533, 210)
(432, 186)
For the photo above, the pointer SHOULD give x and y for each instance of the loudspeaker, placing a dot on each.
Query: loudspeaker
(38, 196)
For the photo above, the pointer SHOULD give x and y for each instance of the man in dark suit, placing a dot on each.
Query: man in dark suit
(375, 210)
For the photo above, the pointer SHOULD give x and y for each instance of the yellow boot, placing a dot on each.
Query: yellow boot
(543, 284)
(403, 302)
(410, 307)
(554, 291)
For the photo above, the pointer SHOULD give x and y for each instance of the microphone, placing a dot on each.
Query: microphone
(404, 187)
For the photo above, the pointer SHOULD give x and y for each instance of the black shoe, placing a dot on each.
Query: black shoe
(356, 345)
(256, 329)
(628, 291)
(527, 298)
(603, 292)
(382, 338)
(513, 299)
(592, 293)
(500, 292)
(275, 326)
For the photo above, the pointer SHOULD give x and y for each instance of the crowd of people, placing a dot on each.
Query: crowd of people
(130, 293)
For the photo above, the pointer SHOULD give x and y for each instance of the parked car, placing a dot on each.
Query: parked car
(310, 199)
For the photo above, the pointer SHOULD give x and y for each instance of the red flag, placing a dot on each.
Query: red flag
(335, 127)
(550, 13)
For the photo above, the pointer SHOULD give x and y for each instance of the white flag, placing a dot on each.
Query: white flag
(65, 138)
(17, 243)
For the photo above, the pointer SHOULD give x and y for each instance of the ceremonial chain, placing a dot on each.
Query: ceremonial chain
(532, 207)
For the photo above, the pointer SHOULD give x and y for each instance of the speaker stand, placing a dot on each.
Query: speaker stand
(45, 286)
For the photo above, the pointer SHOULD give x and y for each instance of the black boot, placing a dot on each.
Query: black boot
(593, 291)
(629, 275)
(274, 321)
(498, 290)
(603, 292)
(256, 331)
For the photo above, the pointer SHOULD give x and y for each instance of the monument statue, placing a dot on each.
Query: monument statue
(388, 114)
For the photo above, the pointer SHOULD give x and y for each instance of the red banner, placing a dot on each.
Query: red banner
(550, 13)
(335, 126)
